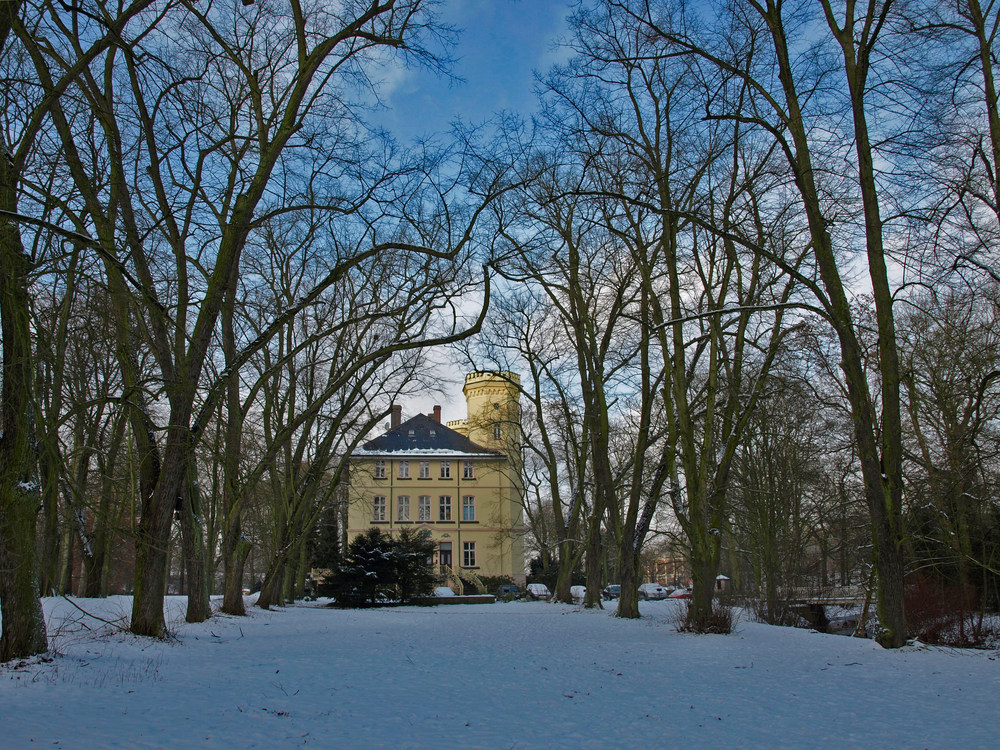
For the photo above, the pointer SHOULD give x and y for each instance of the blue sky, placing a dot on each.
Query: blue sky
(501, 44)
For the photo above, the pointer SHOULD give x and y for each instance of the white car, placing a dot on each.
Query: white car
(538, 591)
(579, 593)
(652, 591)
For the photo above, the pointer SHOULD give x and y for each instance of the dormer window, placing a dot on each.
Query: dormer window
(433, 433)
(413, 433)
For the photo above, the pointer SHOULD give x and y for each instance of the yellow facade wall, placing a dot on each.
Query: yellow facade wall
(498, 526)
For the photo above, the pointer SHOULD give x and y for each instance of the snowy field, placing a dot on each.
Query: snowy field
(518, 675)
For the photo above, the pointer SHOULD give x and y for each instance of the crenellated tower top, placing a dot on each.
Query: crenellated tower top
(492, 400)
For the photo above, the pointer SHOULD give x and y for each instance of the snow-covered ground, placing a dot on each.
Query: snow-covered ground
(517, 675)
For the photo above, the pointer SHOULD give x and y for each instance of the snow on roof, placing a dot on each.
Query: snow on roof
(435, 452)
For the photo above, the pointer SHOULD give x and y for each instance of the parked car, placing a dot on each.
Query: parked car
(680, 594)
(538, 592)
(611, 591)
(509, 592)
(579, 593)
(652, 591)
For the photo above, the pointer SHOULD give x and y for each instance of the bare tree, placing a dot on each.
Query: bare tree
(758, 43)
(219, 138)
(524, 333)
(951, 354)
(24, 629)
(672, 190)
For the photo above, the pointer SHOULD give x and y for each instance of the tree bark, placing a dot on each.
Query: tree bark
(193, 543)
(234, 546)
(23, 629)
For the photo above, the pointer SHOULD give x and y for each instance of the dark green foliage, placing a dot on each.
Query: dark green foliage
(413, 552)
(378, 569)
(367, 573)
(493, 584)
(324, 541)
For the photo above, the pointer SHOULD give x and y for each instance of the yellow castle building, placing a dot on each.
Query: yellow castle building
(460, 481)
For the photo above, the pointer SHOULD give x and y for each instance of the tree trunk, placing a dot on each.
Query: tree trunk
(153, 538)
(234, 562)
(193, 543)
(299, 580)
(235, 547)
(703, 572)
(23, 629)
(882, 470)
(271, 591)
(595, 555)
(50, 552)
(66, 563)
(629, 574)
(96, 565)
(569, 558)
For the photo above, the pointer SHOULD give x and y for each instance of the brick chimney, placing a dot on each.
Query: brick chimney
(397, 416)
(436, 416)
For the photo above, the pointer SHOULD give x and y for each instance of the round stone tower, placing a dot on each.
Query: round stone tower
(493, 403)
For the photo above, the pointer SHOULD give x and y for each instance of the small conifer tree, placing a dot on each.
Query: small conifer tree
(378, 568)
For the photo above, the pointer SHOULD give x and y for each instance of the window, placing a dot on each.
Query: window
(468, 554)
(403, 508)
(444, 508)
(378, 508)
(468, 472)
(404, 469)
(446, 469)
(468, 508)
(497, 433)
(380, 468)
(412, 433)
(425, 469)
(424, 508)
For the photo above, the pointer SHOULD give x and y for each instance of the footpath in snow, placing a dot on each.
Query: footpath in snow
(518, 675)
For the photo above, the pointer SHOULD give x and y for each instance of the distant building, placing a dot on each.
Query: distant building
(460, 481)
(667, 570)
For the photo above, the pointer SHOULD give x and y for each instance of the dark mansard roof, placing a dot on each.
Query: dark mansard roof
(421, 435)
